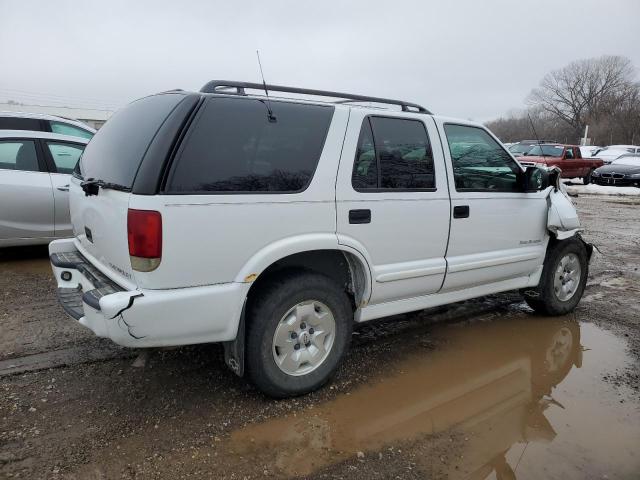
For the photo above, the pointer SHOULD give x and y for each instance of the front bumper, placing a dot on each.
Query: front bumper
(143, 317)
(618, 182)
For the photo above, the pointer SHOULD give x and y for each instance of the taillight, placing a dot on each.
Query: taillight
(144, 231)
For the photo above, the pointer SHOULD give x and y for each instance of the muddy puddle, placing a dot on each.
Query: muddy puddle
(518, 398)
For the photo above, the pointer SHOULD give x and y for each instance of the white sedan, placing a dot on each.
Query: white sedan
(35, 168)
(609, 154)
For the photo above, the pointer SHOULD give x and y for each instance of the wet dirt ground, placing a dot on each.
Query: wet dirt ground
(480, 389)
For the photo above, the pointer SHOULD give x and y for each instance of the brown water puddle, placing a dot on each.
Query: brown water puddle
(522, 397)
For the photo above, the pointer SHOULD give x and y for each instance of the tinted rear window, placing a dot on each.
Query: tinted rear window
(116, 150)
(16, 123)
(233, 147)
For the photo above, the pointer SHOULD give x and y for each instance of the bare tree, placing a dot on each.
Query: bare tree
(584, 90)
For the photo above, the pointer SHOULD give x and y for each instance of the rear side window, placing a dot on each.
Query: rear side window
(66, 129)
(65, 155)
(233, 147)
(116, 150)
(393, 154)
(18, 155)
(16, 123)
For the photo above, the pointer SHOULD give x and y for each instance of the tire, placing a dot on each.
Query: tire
(553, 296)
(586, 180)
(295, 302)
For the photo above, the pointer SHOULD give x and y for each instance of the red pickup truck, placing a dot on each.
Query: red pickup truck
(567, 157)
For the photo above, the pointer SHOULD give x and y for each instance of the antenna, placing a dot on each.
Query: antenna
(270, 115)
(536, 134)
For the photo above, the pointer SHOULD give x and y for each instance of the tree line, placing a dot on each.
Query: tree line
(602, 93)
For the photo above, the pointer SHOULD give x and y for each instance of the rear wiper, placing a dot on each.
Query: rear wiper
(91, 186)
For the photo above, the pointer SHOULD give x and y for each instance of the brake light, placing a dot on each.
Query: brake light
(144, 232)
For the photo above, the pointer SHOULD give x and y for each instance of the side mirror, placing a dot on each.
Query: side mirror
(535, 179)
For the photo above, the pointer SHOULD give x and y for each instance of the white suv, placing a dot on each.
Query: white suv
(274, 224)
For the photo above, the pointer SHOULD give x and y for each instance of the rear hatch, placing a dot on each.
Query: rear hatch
(112, 158)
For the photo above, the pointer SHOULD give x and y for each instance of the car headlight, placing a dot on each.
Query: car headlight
(595, 173)
(635, 176)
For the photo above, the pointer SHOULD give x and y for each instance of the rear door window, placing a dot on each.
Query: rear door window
(65, 155)
(18, 155)
(234, 147)
(365, 168)
(116, 150)
(393, 154)
(67, 129)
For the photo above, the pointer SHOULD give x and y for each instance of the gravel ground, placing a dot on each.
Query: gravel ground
(472, 389)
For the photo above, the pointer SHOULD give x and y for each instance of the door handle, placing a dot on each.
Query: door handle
(360, 216)
(461, 211)
(64, 188)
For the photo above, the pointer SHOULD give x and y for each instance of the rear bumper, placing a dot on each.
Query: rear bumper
(143, 317)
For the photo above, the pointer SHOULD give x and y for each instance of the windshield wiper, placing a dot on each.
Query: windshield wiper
(92, 186)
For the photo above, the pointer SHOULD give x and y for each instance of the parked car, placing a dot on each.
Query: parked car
(628, 148)
(524, 146)
(45, 123)
(609, 154)
(589, 151)
(623, 172)
(35, 168)
(567, 157)
(273, 224)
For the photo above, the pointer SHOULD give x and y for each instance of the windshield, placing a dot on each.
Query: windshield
(115, 152)
(633, 161)
(519, 148)
(546, 151)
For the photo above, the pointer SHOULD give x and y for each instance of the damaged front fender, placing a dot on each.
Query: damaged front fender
(562, 217)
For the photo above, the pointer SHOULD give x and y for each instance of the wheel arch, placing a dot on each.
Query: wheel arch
(346, 267)
(315, 252)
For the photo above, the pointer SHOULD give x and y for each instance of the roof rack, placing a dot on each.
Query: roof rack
(214, 86)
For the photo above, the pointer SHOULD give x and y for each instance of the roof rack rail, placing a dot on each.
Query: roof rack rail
(214, 85)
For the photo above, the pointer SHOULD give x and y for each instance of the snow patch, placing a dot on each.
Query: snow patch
(573, 185)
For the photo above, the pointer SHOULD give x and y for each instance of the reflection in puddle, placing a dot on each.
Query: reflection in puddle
(500, 385)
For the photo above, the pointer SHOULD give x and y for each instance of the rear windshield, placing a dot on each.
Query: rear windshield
(116, 150)
(235, 147)
(546, 150)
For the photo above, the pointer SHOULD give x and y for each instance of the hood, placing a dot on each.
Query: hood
(619, 168)
(535, 159)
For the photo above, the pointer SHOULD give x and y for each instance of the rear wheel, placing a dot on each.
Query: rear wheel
(299, 328)
(564, 277)
(587, 178)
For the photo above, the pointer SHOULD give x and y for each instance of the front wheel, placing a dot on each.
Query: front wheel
(299, 328)
(564, 277)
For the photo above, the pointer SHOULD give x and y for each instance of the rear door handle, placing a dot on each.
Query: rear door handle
(64, 188)
(360, 216)
(461, 211)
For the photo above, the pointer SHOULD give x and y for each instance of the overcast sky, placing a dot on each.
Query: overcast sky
(471, 59)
